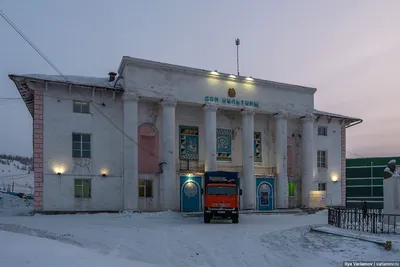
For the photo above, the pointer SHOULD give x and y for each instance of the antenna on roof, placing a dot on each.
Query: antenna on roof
(237, 41)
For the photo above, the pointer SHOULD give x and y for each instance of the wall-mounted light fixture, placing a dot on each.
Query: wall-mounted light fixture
(214, 72)
(232, 76)
(334, 178)
(249, 78)
(59, 169)
(104, 172)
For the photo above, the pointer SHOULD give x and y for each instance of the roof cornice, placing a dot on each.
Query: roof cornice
(207, 73)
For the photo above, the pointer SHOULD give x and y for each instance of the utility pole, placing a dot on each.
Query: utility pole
(237, 41)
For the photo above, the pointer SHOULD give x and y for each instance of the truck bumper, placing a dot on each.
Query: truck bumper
(224, 213)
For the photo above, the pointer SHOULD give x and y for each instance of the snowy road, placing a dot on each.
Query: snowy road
(170, 239)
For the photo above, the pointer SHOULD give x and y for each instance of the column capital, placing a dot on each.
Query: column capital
(248, 111)
(168, 102)
(130, 97)
(210, 106)
(308, 117)
(281, 115)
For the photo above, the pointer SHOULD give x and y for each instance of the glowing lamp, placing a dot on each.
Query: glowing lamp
(104, 172)
(232, 76)
(334, 178)
(59, 169)
(214, 72)
(249, 78)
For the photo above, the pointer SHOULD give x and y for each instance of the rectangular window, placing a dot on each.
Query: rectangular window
(257, 147)
(83, 188)
(145, 188)
(322, 130)
(292, 187)
(81, 145)
(321, 186)
(189, 143)
(224, 144)
(81, 107)
(322, 159)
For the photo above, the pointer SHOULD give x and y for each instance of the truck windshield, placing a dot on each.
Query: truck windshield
(222, 190)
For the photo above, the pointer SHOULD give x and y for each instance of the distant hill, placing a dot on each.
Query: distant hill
(16, 174)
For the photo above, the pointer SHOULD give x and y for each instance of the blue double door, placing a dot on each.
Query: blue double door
(265, 193)
(190, 193)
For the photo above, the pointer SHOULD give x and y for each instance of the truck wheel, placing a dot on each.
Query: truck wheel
(207, 218)
(235, 219)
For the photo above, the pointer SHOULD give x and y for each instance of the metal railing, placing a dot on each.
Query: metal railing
(372, 220)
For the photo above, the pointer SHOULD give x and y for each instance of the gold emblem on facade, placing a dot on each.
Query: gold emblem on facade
(231, 92)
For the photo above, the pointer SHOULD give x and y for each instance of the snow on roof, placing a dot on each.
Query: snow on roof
(333, 115)
(78, 80)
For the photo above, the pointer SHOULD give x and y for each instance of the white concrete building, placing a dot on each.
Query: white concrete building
(144, 140)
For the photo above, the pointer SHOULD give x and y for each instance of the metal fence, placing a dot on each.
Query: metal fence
(373, 221)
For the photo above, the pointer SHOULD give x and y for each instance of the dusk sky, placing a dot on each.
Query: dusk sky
(348, 50)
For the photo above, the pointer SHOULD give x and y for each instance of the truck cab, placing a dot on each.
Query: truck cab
(221, 196)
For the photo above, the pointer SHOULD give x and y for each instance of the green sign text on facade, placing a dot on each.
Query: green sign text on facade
(234, 102)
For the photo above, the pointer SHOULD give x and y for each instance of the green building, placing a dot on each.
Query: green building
(364, 181)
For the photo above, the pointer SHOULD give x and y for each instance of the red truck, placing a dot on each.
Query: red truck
(221, 196)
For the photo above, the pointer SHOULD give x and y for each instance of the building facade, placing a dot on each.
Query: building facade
(365, 183)
(143, 140)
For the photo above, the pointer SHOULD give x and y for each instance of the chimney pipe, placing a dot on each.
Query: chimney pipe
(111, 76)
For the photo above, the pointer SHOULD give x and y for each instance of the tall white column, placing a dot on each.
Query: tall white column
(169, 191)
(131, 171)
(282, 199)
(307, 156)
(210, 137)
(248, 180)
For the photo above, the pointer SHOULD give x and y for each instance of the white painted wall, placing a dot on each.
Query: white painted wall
(59, 124)
(332, 144)
(191, 88)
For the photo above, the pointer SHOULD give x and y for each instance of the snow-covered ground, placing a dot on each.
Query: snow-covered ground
(12, 171)
(172, 239)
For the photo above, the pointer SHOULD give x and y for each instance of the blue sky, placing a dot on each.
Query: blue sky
(347, 49)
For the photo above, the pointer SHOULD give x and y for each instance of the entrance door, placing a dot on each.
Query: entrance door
(190, 193)
(265, 193)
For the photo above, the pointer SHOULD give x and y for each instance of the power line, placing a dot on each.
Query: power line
(62, 75)
(30, 43)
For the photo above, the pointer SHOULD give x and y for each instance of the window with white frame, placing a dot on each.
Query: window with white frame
(145, 188)
(322, 159)
(83, 188)
(323, 130)
(321, 186)
(81, 145)
(81, 107)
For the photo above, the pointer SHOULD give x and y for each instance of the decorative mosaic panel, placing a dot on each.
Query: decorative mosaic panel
(189, 142)
(224, 144)
(257, 147)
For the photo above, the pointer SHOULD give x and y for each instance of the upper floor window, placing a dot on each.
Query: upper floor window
(81, 145)
(323, 130)
(322, 159)
(81, 107)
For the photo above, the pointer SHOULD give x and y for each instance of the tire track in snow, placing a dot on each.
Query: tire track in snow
(15, 228)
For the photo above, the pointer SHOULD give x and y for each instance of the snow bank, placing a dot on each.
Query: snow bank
(37, 252)
(12, 205)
